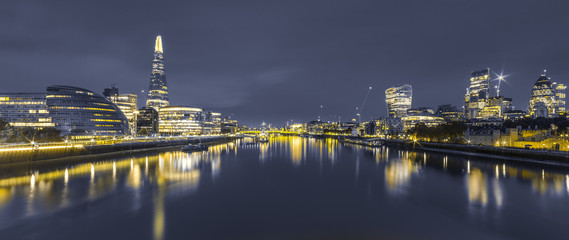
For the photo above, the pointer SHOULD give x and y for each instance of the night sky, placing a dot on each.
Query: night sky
(280, 60)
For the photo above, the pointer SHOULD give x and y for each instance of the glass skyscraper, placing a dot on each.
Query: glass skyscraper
(398, 100)
(158, 90)
(477, 93)
(543, 100)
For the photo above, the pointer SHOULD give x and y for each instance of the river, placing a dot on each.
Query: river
(289, 188)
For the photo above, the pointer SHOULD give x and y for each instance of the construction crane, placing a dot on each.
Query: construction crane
(361, 108)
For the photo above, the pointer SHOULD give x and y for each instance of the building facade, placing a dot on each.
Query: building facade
(398, 100)
(211, 122)
(127, 103)
(147, 121)
(410, 122)
(477, 93)
(542, 101)
(449, 113)
(84, 114)
(158, 89)
(25, 110)
(179, 121)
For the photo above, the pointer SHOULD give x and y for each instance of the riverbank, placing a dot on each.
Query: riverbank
(93, 152)
(520, 155)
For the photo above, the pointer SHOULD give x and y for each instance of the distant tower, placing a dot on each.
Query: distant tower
(158, 91)
(398, 100)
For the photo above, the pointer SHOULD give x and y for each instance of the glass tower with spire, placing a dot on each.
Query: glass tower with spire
(158, 90)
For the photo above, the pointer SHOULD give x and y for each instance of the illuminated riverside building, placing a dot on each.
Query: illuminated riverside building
(398, 100)
(410, 122)
(211, 122)
(127, 103)
(179, 120)
(25, 110)
(547, 98)
(477, 93)
(158, 90)
(83, 114)
(385, 126)
(147, 121)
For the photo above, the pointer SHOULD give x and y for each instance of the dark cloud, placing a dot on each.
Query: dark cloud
(281, 60)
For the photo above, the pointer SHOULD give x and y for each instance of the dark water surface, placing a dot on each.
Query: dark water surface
(289, 188)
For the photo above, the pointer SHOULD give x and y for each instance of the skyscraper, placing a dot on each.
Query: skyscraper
(398, 100)
(547, 98)
(477, 93)
(158, 91)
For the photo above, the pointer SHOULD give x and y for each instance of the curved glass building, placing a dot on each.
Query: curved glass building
(398, 100)
(542, 100)
(83, 113)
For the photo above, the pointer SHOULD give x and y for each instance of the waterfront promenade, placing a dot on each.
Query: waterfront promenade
(69, 150)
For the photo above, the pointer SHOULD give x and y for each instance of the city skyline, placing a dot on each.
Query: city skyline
(288, 72)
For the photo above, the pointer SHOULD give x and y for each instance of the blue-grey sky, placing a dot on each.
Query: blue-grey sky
(280, 60)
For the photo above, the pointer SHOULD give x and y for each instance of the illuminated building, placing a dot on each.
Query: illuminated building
(229, 126)
(386, 126)
(477, 93)
(420, 111)
(410, 122)
(147, 121)
(127, 103)
(83, 113)
(560, 95)
(25, 110)
(398, 100)
(507, 105)
(179, 120)
(158, 90)
(211, 122)
(542, 102)
(514, 114)
(449, 113)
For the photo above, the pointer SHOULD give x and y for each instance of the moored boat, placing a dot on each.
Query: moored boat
(195, 147)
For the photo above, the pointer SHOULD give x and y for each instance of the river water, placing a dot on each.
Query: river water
(289, 188)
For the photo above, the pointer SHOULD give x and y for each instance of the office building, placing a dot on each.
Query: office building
(421, 111)
(477, 93)
(211, 122)
(398, 100)
(147, 122)
(449, 113)
(25, 110)
(542, 102)
(84, 114)
(127, 103)
(410, 122)
(179, 120)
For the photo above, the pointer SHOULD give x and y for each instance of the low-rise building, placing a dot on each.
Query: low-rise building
(179, 120)
(25, 110)
(410, 122)
(147, 121)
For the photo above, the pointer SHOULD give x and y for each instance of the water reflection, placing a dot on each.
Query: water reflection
(46, 190)
(482, 185)
(398, 172)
